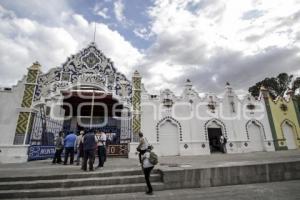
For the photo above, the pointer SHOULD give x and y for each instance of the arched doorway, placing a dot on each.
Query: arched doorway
(169, 138)
(255, 135)
(89, 108)
(289, 134)
(215, 130)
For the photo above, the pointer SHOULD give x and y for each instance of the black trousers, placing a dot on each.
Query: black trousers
(57, 156)
(88, 155)
(101, 155)
(69, 151)
(147, 172)
(140, 155)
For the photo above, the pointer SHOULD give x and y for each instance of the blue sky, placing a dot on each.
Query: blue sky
(208, 41)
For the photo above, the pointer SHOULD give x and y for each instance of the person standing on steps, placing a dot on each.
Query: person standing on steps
(69, 142)
(224, 146)
(79, 147)
(89, 143)
(223, 142)
(147, 168)
(142, 147)
(59, 147)
(103, 139)
(101, 150)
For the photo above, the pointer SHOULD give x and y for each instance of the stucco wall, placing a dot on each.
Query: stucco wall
(193, 115)
(10, 102)
(279, 116)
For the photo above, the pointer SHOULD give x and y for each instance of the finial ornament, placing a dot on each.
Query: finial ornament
(263, 88)
(136, 74)
(36, 66)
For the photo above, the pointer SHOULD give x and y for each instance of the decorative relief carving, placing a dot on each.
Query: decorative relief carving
(87, 66)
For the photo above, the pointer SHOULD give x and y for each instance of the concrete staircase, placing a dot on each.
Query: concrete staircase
(88, 183)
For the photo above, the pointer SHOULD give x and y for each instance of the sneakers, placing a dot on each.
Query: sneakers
(149, 193)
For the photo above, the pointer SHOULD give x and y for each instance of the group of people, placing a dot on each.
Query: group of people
(85, 145)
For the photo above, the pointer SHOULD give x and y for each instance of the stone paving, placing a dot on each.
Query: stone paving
(288, 190)
(45, 167)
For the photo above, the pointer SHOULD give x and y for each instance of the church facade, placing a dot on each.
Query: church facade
(284, 120)
(87, 92)
(191, 125)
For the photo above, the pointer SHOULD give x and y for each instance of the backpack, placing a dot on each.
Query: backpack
(153, 159)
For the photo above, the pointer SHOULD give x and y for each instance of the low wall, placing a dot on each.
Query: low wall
(13, 153)
(221, 176)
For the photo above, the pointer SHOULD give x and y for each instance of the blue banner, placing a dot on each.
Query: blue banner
(38, 152)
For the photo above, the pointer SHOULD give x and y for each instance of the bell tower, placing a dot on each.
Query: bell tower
(25, 115)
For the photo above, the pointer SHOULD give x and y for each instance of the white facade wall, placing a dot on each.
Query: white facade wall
(9, 112)
(193, 116)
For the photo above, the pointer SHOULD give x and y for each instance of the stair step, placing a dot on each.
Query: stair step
(78, 175)
(76, 191)
(68, 183)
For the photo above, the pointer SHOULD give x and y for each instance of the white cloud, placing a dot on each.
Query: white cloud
(119, 11)
(209, 41)
(99, 10)
(103, 13)
(24, 41)
(142, 33)
(199, 36)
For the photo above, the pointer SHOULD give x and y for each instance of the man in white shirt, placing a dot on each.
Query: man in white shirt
(103, 139)
(101, 142)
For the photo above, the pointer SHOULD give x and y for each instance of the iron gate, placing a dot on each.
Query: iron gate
(42, 135)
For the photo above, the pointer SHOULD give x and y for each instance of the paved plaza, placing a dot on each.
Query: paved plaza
(288, 190)
(45, 167)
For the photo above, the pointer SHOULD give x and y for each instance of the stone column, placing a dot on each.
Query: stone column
(136, 106)
(26, 114)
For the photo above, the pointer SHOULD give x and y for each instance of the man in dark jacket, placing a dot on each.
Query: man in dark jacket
(89, 144)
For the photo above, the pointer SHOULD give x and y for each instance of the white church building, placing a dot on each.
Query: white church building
(88, 92)
(191, 125)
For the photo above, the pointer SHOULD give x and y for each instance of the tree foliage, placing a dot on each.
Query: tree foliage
(296, 84)
(276, 85)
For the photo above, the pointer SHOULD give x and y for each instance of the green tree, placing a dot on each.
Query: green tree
(296, 84)
(276, 85)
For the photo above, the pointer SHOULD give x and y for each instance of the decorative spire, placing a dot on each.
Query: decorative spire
(95, 33)
(136, 74)
(228, 87)
(188, 84)
(35, 66)
(290, 92)
(263, 88)
(264, 91)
